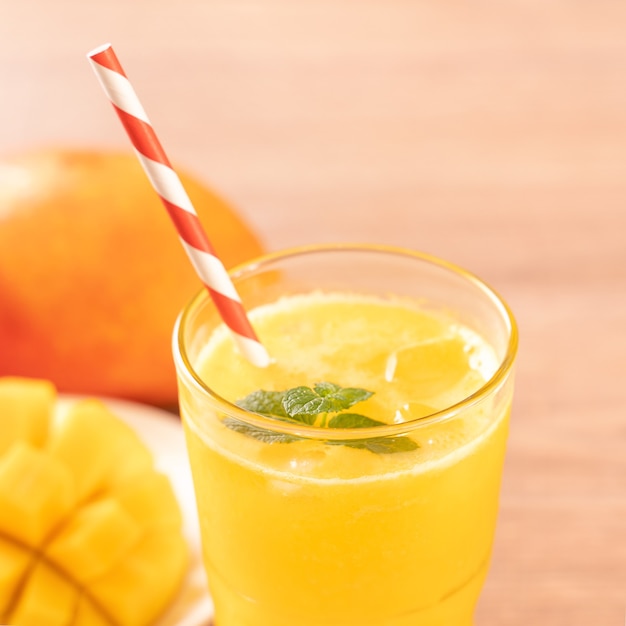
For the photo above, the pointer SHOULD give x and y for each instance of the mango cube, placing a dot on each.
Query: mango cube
(36, 493)
(25, 409)
(94, 540)
(150, 500)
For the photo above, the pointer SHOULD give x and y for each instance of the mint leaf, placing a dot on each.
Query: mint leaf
(304, 403)
(269, 403)
(378, 445)
(387, 445)
(323, 398)
(267, 436)
(381, 445)
(352, 420)
(346, 396)
(325, 389)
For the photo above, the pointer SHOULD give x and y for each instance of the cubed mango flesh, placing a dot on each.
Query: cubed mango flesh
(90, 532)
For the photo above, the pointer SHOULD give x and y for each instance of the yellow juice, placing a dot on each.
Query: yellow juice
(311, 532)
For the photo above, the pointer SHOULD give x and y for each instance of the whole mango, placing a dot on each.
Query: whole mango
(92, 273)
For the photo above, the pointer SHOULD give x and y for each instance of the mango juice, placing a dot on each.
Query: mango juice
(308, 527)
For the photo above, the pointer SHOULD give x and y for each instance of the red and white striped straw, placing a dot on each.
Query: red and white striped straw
(168, 186)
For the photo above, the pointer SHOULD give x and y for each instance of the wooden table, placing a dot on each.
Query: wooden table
(491, 134)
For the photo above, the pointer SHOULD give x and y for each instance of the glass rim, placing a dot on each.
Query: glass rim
(184, 365)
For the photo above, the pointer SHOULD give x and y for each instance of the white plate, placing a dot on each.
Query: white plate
(163, 434)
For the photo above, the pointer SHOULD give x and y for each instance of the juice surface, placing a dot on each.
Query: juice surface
(309, 533)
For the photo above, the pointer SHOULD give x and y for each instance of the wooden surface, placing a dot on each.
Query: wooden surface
(491, 134)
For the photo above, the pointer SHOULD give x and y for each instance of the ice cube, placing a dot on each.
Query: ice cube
(428, 368)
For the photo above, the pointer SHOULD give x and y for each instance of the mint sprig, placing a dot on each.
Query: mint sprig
(322, 405)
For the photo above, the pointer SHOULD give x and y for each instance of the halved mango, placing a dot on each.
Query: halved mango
(90, 532)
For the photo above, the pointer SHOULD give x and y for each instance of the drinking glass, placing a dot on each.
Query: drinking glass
(400, 539)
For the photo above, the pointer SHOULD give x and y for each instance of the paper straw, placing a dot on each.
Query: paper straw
(168, 186)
